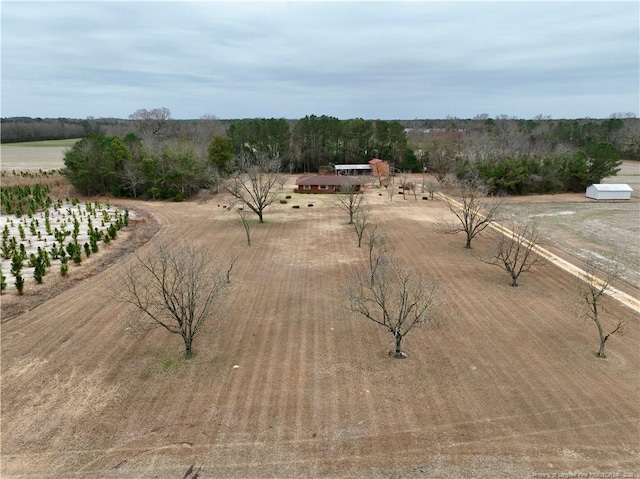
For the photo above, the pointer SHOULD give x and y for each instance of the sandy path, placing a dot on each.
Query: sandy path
(623, 298)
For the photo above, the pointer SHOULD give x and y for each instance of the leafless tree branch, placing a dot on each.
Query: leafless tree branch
(513, 248)
(360, 223)
(473, 209)
(253, 183)
(175, 287)
(592, 292)
(392, 296)
(350, 199)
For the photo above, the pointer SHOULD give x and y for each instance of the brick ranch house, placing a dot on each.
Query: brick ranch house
(328, 183)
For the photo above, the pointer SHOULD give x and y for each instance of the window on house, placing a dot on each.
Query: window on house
(323, 187)
(306, 187)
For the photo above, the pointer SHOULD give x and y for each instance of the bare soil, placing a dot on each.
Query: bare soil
(577, 227)
(17, 157)
(289, 384)
(629, 174)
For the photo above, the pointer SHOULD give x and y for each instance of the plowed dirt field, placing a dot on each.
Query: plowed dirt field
(290, 385)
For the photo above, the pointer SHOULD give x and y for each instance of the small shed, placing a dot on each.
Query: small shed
(609, 192)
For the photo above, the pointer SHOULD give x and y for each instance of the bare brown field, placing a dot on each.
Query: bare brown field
(577, 227)
(630, 174)
(32, 157)
(508, 386)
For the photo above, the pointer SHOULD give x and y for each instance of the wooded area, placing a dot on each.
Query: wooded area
(152, 155)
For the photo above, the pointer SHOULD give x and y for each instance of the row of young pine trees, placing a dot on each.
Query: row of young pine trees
(41, 259)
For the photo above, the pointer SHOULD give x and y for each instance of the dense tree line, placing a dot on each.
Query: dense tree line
(16, 130)
(322, 139)
(100, 164)
(505, 136)
(161, 159)
(544, 174)
(315, 141)
(527, 157)
(152, 155)
(20, 129)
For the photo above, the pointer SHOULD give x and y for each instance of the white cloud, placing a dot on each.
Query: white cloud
(348, 59)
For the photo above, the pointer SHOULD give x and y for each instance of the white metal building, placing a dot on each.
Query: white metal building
(609, 192)
(357, 169)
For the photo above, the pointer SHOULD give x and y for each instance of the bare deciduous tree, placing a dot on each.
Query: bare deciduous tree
(442, 156)
(432, 187)
(208, 126)
(232, 262)
(377, 248)
(513, 248)
(390, 190)
(593, 292)
(474, 212)
(132, 177)
(175, 287)
(393, 296)
(204, 195)
(253, 184)
(350, 199)
(151, 123)
(360, 223)
(282, 180)
(407, 185)
(246, 223)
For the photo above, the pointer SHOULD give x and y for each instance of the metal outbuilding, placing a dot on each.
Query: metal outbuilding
(609, 192)
(355, 169)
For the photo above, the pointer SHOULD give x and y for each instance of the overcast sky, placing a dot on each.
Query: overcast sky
(385, 59)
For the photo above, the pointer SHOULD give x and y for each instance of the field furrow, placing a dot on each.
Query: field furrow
(289, 384)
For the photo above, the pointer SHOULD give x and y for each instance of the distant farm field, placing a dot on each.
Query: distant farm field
(630, 174)
(42, 144)
(290, 385)
(34, 155)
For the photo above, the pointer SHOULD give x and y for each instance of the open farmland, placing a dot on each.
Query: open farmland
(576, 228)
(507, 386)
(630, 174)
(34, 155)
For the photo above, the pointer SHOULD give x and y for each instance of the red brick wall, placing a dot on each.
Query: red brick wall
(314, 189)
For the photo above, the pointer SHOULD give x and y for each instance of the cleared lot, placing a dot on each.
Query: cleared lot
(508, 386)
(37, 155)
(577, 227)
(630, 174)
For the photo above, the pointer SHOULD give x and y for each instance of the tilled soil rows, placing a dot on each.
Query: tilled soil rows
(288, 384)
